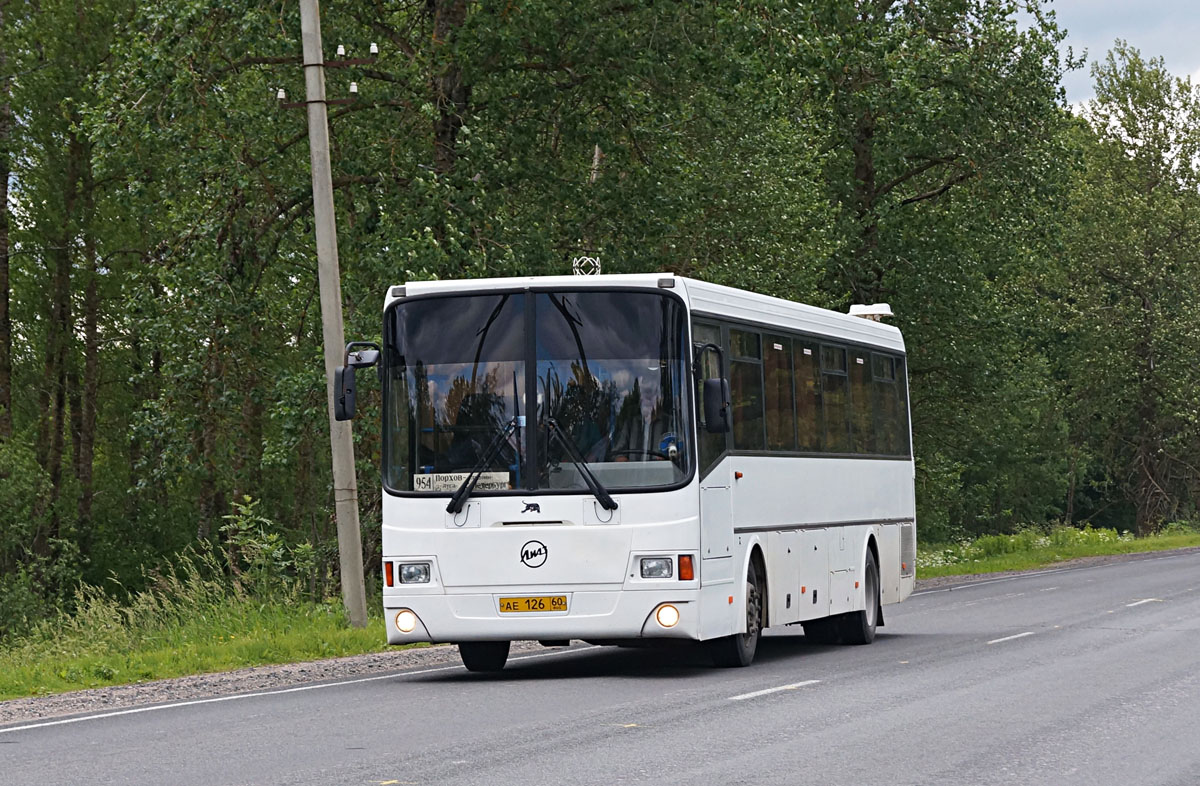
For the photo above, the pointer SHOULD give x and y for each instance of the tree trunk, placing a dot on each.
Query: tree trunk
(6, 420)
(450, 95)
(867, 276)
(210, 505)
(86, 447)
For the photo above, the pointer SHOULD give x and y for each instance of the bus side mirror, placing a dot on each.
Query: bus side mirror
(716, 405)
(343, 393)
(343, 377)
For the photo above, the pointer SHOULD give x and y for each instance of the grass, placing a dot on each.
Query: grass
(1037, 548)
(183, 624)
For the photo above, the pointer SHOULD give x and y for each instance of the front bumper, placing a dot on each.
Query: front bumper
(591, 614)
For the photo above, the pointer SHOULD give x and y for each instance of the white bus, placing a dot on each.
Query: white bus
(630, 458)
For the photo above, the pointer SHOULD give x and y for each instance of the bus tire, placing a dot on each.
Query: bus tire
(483, 656)
(738, 649)
(825, 630)
(858, 627)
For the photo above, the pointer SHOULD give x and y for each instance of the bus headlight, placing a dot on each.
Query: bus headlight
(406, 621)
(414, 573)
(656, 567)
(667, 615)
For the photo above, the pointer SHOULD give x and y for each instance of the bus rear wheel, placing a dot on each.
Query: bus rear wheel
(739, 649)
(858, 627)
(483, 656)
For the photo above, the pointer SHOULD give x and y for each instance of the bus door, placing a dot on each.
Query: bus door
(716, 524)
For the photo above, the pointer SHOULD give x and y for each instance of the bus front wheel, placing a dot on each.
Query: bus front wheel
(739, 649)
(483, 655)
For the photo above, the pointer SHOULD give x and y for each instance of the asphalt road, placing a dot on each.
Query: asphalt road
(1082, 676)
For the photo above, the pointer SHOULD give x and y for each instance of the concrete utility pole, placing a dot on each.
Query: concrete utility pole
(345, 487)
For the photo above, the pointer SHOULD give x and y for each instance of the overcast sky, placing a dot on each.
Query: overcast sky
(1158, 28)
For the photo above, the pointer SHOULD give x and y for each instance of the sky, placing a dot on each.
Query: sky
(1158, 28)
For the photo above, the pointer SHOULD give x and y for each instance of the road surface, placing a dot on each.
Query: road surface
(1079, 676)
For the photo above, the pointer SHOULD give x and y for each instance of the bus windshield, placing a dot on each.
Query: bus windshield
(609, 374)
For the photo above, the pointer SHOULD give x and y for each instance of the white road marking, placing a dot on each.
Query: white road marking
(764, 692)
(1140, 602)
(298, 689)
(1048, 589)
(1010, 638)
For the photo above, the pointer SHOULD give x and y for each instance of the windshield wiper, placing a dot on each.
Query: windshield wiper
(489, 455)
(597, 489)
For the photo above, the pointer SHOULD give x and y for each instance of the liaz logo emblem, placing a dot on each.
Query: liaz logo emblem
(534, 553)
(532, 507)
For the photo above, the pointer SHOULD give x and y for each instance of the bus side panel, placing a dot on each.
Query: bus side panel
(716, 514)
(844, 567)
(718, 567)
(889, 563)
(783, 577)
(814, 574)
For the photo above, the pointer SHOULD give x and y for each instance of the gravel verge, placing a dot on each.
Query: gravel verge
(250, 680)
(265, 678)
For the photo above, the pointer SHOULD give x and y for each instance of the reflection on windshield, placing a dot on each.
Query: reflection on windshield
(609, 370)
(455, 377)
(609, 373)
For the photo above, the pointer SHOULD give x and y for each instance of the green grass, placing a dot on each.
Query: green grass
(1035, 549)
(191, 620)
(251, 635)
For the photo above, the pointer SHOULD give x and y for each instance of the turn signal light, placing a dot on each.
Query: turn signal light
(686, 571)
(387, 574)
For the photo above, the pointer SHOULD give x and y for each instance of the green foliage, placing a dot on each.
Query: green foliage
(167, 341)
(1130, 292)
(1036, 547)
(191, 619)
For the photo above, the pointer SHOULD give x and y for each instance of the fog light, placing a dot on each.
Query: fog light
(667, 615)
(406, 621)
(656, 567)
(414, 573)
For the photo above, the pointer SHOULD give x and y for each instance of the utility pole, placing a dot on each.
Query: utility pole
(345, 486)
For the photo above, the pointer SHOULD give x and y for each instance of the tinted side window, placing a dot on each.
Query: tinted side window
(903, 447)
(711, 445)
(862, 425)
(885, 402)
(777, 374)
(807, 375)
(835, 405)
(746, 389)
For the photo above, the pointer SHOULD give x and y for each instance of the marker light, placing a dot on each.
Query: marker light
(686, 571)
(656, 567)
(667, 615)
(414, 573)
(406, 621)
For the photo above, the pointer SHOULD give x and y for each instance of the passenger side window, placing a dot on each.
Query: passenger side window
(746, 389)
(835, 407)
(862, 426)
(807, 376)
(780, 406)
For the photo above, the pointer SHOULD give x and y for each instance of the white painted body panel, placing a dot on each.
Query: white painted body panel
(812, 518)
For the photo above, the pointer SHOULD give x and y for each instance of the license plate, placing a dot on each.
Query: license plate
(539, 603)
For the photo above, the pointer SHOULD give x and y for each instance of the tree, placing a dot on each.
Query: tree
(1135, 225)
